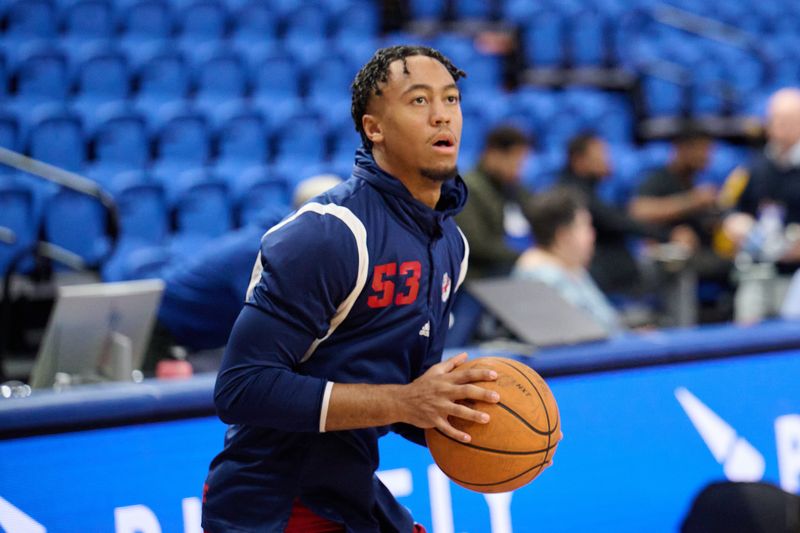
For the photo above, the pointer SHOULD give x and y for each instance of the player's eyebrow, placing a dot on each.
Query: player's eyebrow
(426, 87)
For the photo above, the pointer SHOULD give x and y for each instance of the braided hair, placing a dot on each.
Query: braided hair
(376, 72)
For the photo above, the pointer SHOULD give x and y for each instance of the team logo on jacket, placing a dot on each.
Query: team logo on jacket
(445, 287)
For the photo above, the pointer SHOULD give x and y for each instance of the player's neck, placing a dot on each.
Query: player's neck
(421, 188)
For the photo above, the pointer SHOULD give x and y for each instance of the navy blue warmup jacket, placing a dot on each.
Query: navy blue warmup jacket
(354, 287)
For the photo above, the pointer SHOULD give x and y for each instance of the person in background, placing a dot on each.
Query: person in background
(774, 175)
(562, 226)
(204, 293)
(613, 268)
(670, 197)
(764, 224)
(493, 185)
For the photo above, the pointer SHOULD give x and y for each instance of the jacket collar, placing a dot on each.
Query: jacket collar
(406, 207)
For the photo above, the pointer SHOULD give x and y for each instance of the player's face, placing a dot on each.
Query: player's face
(418, 119)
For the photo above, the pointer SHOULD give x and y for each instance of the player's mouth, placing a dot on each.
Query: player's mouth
(444, 143)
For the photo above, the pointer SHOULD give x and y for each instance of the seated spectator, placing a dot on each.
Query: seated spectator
(774, 175)
(562, 226)
(204, 293)
(768, 210)
(494, 185)
(613, 267)
(669, 197)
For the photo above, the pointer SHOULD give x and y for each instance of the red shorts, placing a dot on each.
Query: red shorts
(303, 520)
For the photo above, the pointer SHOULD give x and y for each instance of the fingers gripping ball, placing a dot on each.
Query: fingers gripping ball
(516, 445)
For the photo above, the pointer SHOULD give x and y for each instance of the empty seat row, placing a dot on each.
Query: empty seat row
(196, 20)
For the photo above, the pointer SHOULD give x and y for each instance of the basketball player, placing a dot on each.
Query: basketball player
(341, 337)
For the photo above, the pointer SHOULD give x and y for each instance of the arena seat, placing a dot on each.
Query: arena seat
(121, 138)
(30, 20)
(183, 135)
(42, 76)
(88, 20)
(202, 206)
(142, 205)
(259, 188)
(101, 77)
(163, 78)
(219, 77)
(242, 138)
(202, 21)
(17, 214)
(56, 137)
(77, 223)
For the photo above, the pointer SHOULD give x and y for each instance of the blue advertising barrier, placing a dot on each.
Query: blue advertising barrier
(639, 443)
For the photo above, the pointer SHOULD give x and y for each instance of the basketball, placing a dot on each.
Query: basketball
(516, 445)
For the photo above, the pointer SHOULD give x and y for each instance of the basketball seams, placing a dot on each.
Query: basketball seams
(525, 422)
(544, 406)
(528, 471)
(521, 373)
(494, 450)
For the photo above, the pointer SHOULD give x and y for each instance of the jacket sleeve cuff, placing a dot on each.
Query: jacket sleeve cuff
(323, 413)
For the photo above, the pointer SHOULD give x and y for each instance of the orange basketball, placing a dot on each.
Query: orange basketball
(516, 445)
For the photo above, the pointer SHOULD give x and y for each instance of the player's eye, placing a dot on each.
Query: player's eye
(420, 100)
(453, 99)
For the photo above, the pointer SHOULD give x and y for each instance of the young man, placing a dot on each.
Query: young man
(342, 335)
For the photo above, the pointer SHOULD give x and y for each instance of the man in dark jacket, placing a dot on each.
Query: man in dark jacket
(494, 189)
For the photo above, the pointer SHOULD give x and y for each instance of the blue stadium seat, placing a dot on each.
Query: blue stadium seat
(459, 48)
(42, 76)
(520, 11)
(121, 139)
(329, 80)
(162, 79)
(587, 39)
(257, 189)
(483, 10)
(202, 21)
(202, 205)
(484, 74)
(359, 20)
(102, 77)
(427, 9)
(242, 139)
(30, 20)
(56, 137)
(130, 262)
(17, 214)
(183, 136)
(4, 76)
(78, 223)
(221, 76)
(662, 97)
(146, 21)
(544, 40)
(344, 142)
(301, 140)
(472, 139)
(255, 22)
(88, 20)
(745, 72)
(276, 77)
(142, 205)
(10, 133)
(707, 98)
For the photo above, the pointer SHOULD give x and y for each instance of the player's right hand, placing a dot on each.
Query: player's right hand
(430, 399)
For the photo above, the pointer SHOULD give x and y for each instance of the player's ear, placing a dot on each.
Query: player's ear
(372, 128)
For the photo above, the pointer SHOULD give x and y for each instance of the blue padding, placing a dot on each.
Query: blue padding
(117, 404)
(107, 404)
(658, 347)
